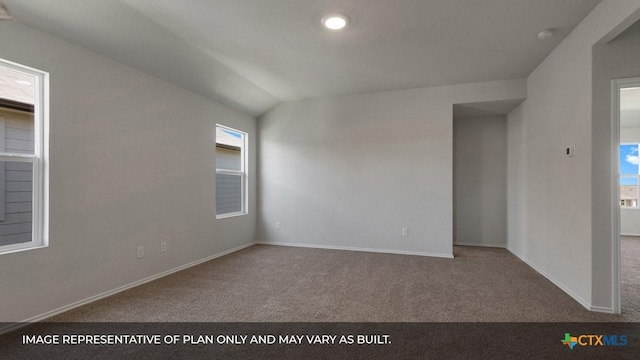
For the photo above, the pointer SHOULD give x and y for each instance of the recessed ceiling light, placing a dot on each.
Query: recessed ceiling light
(23, 82)
(335, 22)
(546, 33)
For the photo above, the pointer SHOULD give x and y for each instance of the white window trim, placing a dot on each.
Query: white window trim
(243, 173)
(40, 200)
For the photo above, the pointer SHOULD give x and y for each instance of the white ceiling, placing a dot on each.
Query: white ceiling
(484, 109)
(253, 54)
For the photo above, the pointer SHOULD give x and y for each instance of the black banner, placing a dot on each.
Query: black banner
(321, 341)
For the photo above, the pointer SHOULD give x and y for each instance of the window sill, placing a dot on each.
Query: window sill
(8, 249)
(629, 208)
(230, 215)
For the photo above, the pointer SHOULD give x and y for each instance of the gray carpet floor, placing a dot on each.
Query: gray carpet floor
(274, 283)
(630, 301)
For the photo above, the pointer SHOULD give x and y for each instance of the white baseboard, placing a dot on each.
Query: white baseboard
(348, 248)
(501, 246)
(629, 234)
(557, 283)
(117, 290)
(606, 310)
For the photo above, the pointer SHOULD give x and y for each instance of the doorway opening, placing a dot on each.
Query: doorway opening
(626, 117)
(480, 173)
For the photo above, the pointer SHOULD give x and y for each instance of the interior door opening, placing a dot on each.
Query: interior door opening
(626, 95)
(480, 173)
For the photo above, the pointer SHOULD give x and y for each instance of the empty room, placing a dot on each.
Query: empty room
(267, 164)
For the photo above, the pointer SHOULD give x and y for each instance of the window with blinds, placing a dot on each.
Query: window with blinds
(23, 198)
(231, 174)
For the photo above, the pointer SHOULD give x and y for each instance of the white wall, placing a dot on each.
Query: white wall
(480, 181)
(517, 180)
(630, 222)
(554, 213)
(132, 164)
(351, 171)
(629, 135)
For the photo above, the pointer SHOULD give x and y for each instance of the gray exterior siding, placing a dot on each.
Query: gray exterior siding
(228, 187)
(228, 193)
(16, 136)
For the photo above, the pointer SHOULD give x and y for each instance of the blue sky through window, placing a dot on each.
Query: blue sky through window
(232, 133)
(629, 159)
(629, 164)
(629, 181)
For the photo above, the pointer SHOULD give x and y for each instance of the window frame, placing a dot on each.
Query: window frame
(39, 159)
(630, 176)
(243, 172)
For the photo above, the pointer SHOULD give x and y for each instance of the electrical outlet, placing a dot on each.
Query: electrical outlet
(277, 225)
(140, 252)
(405, 232)
(163, 246)
(570, 151)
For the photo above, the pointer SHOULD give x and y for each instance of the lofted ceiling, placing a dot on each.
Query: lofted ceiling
(254, 54)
